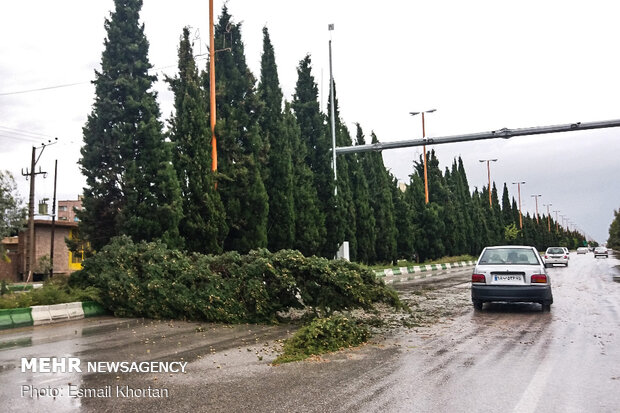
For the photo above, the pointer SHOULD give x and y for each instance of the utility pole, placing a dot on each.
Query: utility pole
(556, 220)
(424, 148)
(488, 161)
(536, 197)
(520, 215)
(548, 219)
(212, 88)
(31, 174)
(53, 221)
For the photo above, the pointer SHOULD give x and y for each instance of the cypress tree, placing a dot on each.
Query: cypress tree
(482, 236)
(309, 221)
(383, 206)
(345, 218)
(460, 195)
(405, 247)
(241, 150)
(131, 186)
(279, 172)
(366, 230)
(203, 225)
(315, 136)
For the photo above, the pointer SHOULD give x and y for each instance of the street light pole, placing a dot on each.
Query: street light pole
(536, 197)
(548, 219)
(333, 121)
(424, 148)
(556, 219)
(520, 215)
(488, 161)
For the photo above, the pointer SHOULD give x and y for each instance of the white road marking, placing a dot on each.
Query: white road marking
(531, 396)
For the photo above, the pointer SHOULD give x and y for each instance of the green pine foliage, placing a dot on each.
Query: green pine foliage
(323, 335)
(366, 236)
(614, 232)
(345, 215)
(241, 149)
(315, 135)
(131, 186)
(203, 226)
(278, 175)
(151, 280)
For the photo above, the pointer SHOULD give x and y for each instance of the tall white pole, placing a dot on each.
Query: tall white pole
(333, 118)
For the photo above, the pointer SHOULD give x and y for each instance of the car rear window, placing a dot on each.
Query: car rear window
(555, 251)
(511, 256)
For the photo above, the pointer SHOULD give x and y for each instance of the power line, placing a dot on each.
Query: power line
(23, 131)
(19, 138)
(41, 89)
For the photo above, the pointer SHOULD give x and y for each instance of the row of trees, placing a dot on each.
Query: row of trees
(614, 232)
(274, 186)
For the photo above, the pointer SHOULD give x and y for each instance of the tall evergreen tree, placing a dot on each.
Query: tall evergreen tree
(278, 175)
(383, 206)
(203, 226)
(405, 245)
(131, 186)
(309, 221)
(614, 231)
(316, 138)
(345, 216)
(241, 149)
(366, 230)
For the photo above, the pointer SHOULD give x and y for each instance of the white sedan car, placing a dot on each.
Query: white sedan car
(510, 274)
(556, 255)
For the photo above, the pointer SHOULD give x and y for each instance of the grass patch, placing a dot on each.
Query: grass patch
(323, 335)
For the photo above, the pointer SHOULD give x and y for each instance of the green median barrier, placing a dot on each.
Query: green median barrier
(5, 319)
(22, 317)
(15, 317)
(93, 309)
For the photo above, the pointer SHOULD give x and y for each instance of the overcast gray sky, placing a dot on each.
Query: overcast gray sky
(483, 65)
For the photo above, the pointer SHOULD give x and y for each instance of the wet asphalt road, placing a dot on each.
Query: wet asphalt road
(508, 358)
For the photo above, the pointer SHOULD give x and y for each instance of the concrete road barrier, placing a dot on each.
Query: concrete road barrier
(15, 317)
(41, 314)
(388, 272)
(44, 314)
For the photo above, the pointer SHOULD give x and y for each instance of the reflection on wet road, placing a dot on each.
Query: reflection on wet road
(508, 357)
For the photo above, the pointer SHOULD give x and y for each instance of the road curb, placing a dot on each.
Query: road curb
(47, 314)
(423, 271)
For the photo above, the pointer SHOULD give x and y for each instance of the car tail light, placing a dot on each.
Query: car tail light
(478, 278)
(565, 256)
(539, 278)
(546, 256)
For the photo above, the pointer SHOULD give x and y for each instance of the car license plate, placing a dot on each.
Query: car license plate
(508, 278)
(555, 256)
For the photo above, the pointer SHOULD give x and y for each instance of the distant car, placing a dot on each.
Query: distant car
(556, 255)
(510, 274)
(601, 252)
(567, 252)
(582, 250)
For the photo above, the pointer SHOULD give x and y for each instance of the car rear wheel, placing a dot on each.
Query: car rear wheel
(546, 307)
(478, 305)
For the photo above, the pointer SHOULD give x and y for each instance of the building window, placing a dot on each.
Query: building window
(62, 208)
(77, 258)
